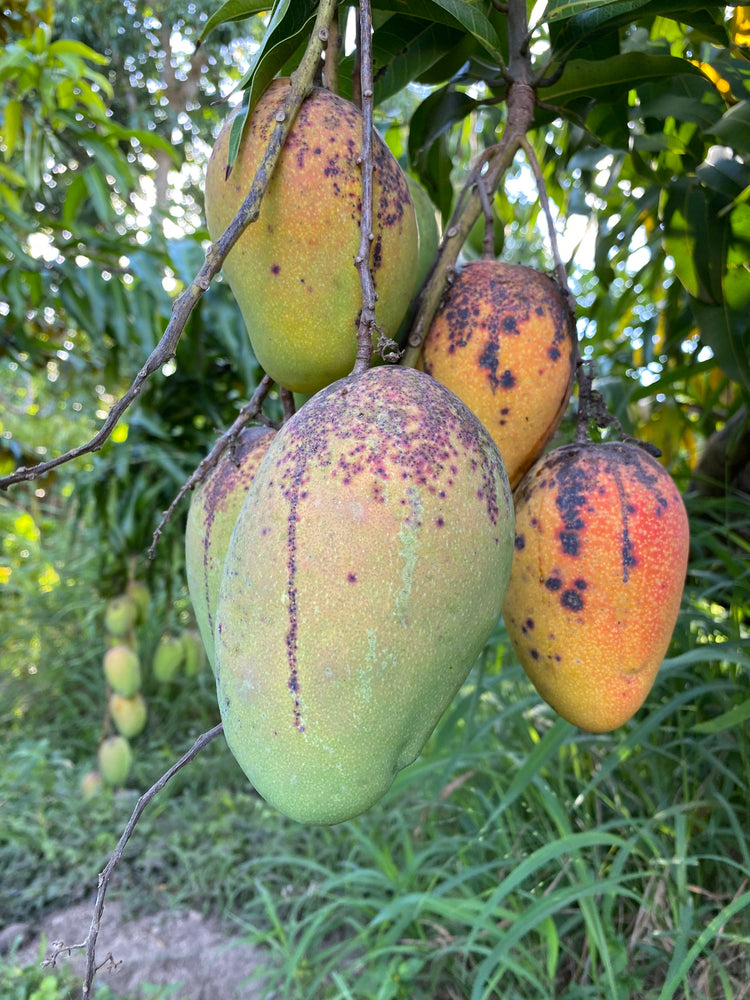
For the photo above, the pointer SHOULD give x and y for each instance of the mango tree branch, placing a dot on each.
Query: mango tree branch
(108, 871)
(362, 260)
(301, 85)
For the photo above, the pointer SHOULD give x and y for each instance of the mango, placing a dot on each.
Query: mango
(504, 341)
(364, 575)
(115, 759)
(601, 552)
(141, 596)
(214, 507)
(194, 652)
(128, 714)
(168, 658)
(120, 615)
(122, 669)
(427, 227)
(90, 784)
(292, 271)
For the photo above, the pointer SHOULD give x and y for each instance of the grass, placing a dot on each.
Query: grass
(517, 858)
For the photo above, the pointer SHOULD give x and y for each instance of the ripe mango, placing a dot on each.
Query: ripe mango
(503, 340)
(364, 575)
(292, 271)
(214, 506)
(122, 669)
(601, 552)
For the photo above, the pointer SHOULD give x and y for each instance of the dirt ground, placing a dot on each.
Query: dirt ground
(160, 949)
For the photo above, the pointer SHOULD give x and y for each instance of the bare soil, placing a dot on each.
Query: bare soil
(162, 949)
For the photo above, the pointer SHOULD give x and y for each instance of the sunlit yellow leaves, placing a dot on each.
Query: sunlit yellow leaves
(25, 526)
(5, 574)
(48, 579)
(120, 433)
(740, 26)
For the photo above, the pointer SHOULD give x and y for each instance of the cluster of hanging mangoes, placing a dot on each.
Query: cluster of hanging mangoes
(126, 712)
(347, 570)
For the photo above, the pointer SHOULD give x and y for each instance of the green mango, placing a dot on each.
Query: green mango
(365, 573)
(115, 759)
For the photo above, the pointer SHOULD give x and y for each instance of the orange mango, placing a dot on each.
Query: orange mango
(503, 340)
(600, 557)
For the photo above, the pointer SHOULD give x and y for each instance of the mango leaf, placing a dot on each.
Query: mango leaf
(12, 126)
(451, 12)
(289, 24)
(696, 237)
(434, 116)
(732, 719)
(233, 10)
(604, 18)
(727, 333)
(98, 189)
(733, 128)
(558, 10)
(616, 75)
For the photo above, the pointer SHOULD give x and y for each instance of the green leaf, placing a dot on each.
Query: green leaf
(74, 197)
(233, 10)
(733, 719)
(558, 10)
(451, 12)
(289, 23)
(617, 75)
(406, 48)
(733, 128)
(12, 126)
(434, 116)
(98, 189)
(727, 333)
(67, 46)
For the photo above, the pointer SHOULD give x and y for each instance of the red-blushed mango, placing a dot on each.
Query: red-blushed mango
(214, 506)
(598, 572)
(365, 573)
(504, 341)
(292, 271)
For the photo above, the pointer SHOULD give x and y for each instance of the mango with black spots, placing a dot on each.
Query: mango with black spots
(365, 573)
(214, 506)
(292, 271)
(504, 341)
(601, 553)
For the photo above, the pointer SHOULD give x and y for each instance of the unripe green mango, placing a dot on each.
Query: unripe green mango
(122, 669)
(169, 656)
(214, 507)
(120, 615)
(365, 573)
(292, 271)
(115, 760)
(128, 714)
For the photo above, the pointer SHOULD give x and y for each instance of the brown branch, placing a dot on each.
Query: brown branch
(301, 84)
(89, 944)
(362, 260)
(490, 170)
(249, 411)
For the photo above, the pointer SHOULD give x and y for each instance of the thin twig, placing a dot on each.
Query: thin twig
(106, 875)
(362, 260)
(560, 272)
(301, 84)
(249, 411)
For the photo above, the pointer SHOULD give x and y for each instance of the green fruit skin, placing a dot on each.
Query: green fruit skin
(292, 272)
(120, 615)
(168, 658)
(122, 669)
(128, 714)
(91, 783)
(194, 652)
(427, 226)
(364, 575)
(141, 595)
(115, 760)
(214, 507)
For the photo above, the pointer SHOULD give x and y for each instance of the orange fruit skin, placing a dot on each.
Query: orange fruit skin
(504, 342)
(601, 553)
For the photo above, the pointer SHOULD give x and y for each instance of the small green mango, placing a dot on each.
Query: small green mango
(115, 760)
(120, 615)
(168, 658)
(365, 573)
(128, 714)
(122, 669)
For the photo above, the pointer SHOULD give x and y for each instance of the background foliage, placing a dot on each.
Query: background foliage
(518, 857)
